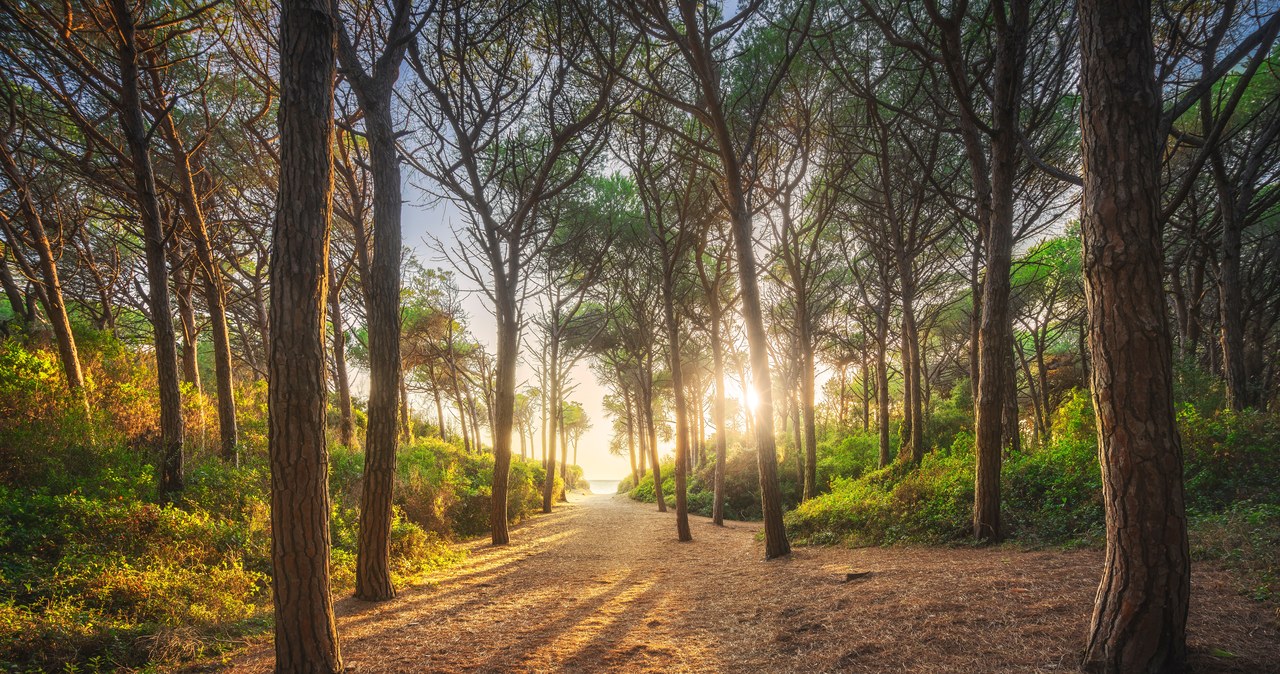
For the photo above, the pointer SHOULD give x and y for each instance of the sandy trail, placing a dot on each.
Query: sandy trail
(602, 585)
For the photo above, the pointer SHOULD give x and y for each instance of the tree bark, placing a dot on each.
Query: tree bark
(1139, 616)
(505, 287)
(215, 294)
(681, 410)
(306, 636)
(382, 438)
(995, 329)
(144, 185)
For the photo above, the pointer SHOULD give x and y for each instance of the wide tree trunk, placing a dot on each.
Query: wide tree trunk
(775, 532)
(1139, 616)
(306, 638)
(137, 138)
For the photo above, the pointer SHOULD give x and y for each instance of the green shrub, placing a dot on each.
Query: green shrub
(1244, 537)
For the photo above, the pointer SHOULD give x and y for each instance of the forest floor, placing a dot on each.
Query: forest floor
(603, 585)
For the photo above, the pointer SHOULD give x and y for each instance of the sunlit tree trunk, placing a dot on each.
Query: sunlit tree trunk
(678, 393)
(722, 439)
(137, 138)
(214, 293)
(306, 638)
(55, 308)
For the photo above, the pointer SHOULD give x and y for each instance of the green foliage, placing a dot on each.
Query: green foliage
(1245, 537)
(1229, 457)
(849, 458)
(930, 504)
(1052, 495)
(95, 574)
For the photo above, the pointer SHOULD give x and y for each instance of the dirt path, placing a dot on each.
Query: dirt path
(602, 585)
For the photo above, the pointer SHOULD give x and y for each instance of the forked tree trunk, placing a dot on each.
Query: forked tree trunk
(306, 636)
(1140, 614)
(144, 186)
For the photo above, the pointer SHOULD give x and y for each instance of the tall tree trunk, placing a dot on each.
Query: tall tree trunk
(995, 330)
(435, 390)
(306, 636)
(911, 438)
(681, 408)
(722, 439)
(144, 185)
(504, 396)
(215, 294)
(1230, 302)
(882, 387)
(631, 432)
(1139, 616)
(373, 553)
(564, 461)
(807, 405)
(553, 416)
(652, 428)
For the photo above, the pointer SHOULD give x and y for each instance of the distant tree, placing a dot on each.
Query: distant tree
(494, 143)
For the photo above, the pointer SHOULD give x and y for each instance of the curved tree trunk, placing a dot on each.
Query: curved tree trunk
(55, 308)
(306, 636)
(1139, 617)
